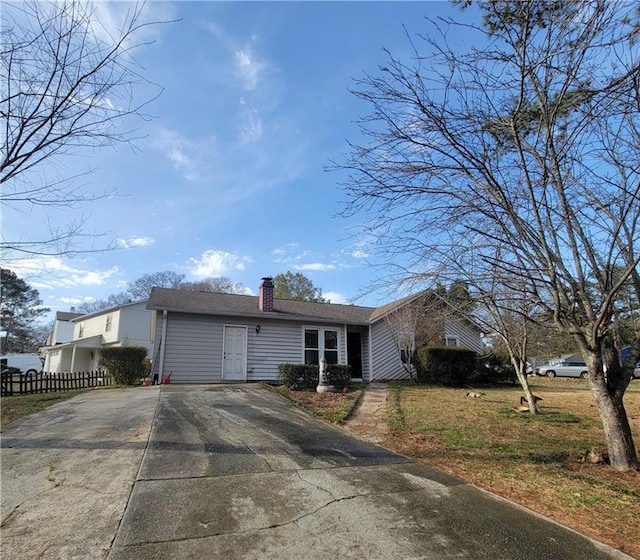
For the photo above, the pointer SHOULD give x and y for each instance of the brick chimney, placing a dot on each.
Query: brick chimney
(265, 295)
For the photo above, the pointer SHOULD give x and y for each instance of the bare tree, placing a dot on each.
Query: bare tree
(518, 161)
(409, 324)
(508, 315)
(219, 284)
(67, 87)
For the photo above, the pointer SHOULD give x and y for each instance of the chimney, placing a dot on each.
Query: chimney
(265, 295)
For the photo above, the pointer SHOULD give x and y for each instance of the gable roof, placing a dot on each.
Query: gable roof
(66, 315)
(212, 303)
(105, 311)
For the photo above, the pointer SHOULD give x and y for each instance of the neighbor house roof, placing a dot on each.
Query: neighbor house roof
(66, 315)
(107, 310)
(211, 303)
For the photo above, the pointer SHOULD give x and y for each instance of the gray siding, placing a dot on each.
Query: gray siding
(366, 355)
(386, 359)
(193, 346)
(276, 343)
(468, 337)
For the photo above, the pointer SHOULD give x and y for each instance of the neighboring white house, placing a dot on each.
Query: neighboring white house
(128, 324)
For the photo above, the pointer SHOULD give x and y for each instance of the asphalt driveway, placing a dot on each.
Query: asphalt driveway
(237, 472)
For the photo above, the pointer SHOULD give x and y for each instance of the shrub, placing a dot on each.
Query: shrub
(494, 368)
(302, 376)
(298, 376)
(339, 376)
(445, 365)
(124, 363)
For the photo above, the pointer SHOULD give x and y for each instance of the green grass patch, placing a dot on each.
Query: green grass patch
(12, 408)
(395, 415)
(551, 417)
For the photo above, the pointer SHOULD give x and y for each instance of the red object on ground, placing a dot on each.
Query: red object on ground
(167, 379)
(345, 390)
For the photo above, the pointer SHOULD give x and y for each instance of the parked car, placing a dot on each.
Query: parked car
(564, 368)
(27, 364)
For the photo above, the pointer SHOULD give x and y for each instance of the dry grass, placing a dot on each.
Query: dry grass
(537, 461)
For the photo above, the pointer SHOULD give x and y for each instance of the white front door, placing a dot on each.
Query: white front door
(234, 359)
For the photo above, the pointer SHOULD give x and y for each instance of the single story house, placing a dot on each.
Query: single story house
(205, 337)
(86, 334)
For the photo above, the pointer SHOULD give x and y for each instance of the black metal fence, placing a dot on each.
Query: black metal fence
(21, 384)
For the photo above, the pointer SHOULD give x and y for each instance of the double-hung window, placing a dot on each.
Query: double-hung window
(318, 343)
(108, 322)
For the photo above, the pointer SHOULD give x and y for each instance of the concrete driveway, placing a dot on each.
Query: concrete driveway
(67, 473)
(236, 472)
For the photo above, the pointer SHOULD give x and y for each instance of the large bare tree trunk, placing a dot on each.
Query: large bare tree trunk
(617, 430)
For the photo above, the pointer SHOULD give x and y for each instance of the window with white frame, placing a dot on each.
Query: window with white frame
(80, 330)
(108, 322)
(450, 341)
(320, 342)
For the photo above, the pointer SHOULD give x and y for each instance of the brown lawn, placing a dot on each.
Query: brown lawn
(535, 460)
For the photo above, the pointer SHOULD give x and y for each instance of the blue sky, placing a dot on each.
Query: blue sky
(229, 177)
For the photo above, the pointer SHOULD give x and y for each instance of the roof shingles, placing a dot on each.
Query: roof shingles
(210, 303)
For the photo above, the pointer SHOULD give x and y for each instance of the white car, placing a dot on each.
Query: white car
(564, 368)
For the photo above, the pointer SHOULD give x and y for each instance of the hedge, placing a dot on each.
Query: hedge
(303, 376)
(445, 365)
(495, 368)
(125, 363)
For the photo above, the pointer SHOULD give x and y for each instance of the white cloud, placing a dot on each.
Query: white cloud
(46, 273)
(281, 254)
(109, 17)
(335, 297)
(216, 263)
(135, 242)
(357, 254)
(248, 67)
(190, 158)
(251, 126)
(323, 267)
(76, 300)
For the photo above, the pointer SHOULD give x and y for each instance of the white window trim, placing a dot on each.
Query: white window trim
(447, 338)
(108, 323)
(321, 329)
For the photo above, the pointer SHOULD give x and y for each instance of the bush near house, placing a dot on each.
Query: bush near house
(446, 366)
(494, 369)
(125, 363)
(302, 376)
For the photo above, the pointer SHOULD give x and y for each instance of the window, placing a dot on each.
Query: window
(320, 342)
(311, 348)
(80, 330)
(450, 341)
(107, 326)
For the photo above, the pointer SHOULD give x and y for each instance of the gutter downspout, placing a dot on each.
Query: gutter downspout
(370, 355)
(163, 338)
